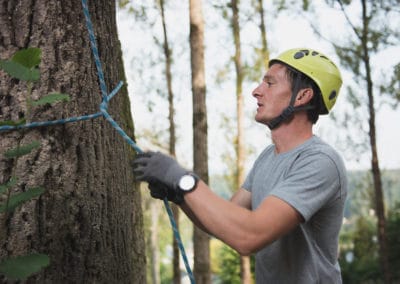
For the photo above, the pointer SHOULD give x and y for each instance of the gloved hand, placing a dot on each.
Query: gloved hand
(155, 167)
(161, 191)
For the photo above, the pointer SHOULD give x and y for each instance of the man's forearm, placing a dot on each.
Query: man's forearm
(193, 218)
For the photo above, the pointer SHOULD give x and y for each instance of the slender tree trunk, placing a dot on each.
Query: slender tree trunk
(245, 268)
(172, 139)
(200, 151)
(89, 219)
(264, 43)
(154, 241)
(376, 173)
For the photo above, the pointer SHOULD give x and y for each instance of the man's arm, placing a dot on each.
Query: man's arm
(244, 230)
(241, 228)
(242, 198)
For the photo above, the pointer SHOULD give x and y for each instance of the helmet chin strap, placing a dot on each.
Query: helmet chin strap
(288, 112)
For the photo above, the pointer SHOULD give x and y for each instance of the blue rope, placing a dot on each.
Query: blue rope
(178, 240)
(103, 112)
(94, 49)
(50, 123)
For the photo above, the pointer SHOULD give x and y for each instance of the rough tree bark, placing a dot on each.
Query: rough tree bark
(89, 219)
(201, 241)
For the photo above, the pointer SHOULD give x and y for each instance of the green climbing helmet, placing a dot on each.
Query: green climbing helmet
(319, 68)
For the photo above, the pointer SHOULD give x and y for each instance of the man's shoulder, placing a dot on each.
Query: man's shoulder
(324, 156)
(319, 146)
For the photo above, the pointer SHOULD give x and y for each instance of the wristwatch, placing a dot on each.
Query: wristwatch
(188, 182)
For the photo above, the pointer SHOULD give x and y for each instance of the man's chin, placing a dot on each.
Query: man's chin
(261, 120)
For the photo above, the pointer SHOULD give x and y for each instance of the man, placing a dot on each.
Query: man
(290, 208)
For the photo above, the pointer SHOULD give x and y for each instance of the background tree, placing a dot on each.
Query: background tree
(200, 148)
(359, 248)
(89, 219)
(371, 36)
(172, 136)
(393, 229)
(263, 30)
(239, 145)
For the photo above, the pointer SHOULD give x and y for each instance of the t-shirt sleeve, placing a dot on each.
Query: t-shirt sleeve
(312, 182)
(248, 181)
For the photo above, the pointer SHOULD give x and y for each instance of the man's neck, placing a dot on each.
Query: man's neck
(290, 135)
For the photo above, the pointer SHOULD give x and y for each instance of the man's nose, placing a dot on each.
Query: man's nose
(257, 92)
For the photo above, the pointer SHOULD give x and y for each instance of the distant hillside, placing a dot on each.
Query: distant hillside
(361, 191)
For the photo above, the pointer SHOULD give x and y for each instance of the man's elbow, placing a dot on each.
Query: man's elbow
(246, 247)
(245, 252)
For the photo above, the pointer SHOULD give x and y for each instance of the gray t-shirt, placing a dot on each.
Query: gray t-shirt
(312, 179)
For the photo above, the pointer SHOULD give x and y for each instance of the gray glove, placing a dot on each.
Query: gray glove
(155, 167)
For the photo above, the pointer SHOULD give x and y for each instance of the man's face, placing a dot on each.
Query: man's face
(273, 94)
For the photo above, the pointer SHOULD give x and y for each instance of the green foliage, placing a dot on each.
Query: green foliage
(51, 98)
(359, 258)
(23, 266)
(393, 231)
(8, 185)
(13, 123)
(29, 58)
(392, 88)
(359, 251)
(360, 262)
(20, 198)
(23, 65)
(19, 71)
(21, 150)
(230, 270)
(225, 263)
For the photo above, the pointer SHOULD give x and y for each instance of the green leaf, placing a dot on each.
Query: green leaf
(12, 122)
(20, 198)
(19, 71)
(23, 266)
(30, 57)
(52, 98)
(21, 150)
(9, 184)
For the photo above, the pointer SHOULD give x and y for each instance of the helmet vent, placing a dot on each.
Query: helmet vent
(332, 95)
(298, 55)
(301, 53)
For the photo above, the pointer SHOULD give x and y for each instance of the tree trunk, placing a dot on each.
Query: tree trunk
(89, 219)
(201, 241)
(245, 271)
(172, 139)
(376, 173)
(154, 241)
(264, 43)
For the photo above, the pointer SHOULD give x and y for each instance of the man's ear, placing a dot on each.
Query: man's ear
(303, 97)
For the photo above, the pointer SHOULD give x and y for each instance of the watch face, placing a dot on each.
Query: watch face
(187, 182)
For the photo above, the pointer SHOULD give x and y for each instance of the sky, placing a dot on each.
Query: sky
(284, 32)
